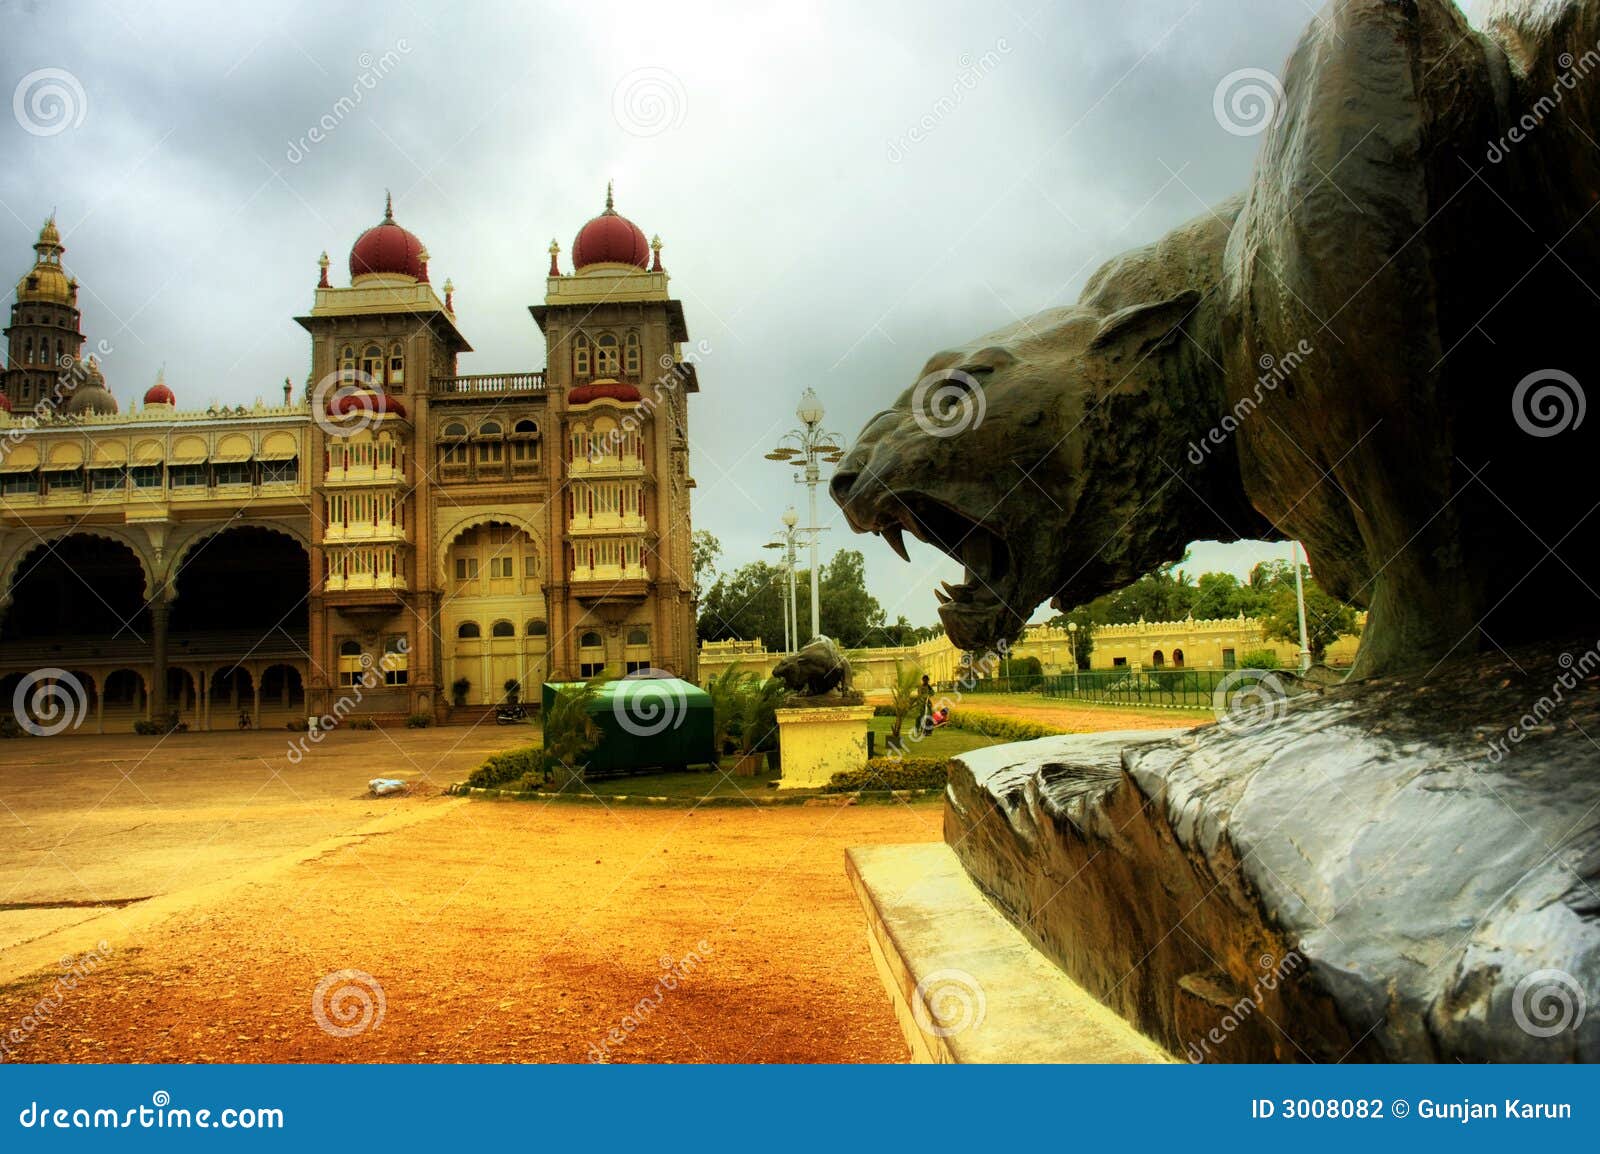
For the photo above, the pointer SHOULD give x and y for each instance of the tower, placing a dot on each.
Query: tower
(376, 346)
(44, 328)
(620, 595)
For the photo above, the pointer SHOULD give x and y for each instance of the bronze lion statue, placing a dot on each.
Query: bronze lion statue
(1378, 349)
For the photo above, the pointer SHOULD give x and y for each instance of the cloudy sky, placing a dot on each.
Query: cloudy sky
(841, 188)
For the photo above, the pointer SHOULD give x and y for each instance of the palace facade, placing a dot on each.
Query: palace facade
(399, 538)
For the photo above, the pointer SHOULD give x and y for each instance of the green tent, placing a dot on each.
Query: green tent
(646, 722)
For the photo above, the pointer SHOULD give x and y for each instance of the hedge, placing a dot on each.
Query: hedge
(884, 773)
(510, 765)
(1004, 728)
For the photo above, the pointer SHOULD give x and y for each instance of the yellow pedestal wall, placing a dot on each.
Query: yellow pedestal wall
(814, 744)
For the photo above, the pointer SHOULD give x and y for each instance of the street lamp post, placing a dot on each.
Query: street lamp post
(810, 447)
(791, 612)
(1300, 605)
(1072, 634)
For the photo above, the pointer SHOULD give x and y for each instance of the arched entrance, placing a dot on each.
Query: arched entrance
(492, 619)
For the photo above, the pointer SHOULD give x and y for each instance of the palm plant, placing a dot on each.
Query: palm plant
(758, 706)
(726, 689)
(569, 730)
(904, 691)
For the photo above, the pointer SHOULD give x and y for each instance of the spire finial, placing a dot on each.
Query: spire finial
(555, 250)
(655, 247)
(388, 207)
(322, 263)
(610, 207)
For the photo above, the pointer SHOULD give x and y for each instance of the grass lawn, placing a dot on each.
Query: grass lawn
(944, 742)
(1081, 716)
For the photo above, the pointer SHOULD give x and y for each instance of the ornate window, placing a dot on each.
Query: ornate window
(372, 366)
(351, 665)
(490, 429)
(526, 427)
(538, 629)
(347, 365)
(455, 429)
(503, 629)
(637, 636)
(580, 356)
(630, 355)
(396, 662)
(468, 631)
(590, 640)
(606, 361)
(397, 366)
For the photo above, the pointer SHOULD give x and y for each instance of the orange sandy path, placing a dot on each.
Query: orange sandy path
(516, 932)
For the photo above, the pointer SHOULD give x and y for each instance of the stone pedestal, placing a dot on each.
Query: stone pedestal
(817, 742)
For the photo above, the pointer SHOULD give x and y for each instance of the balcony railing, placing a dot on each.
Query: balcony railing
(490, 383)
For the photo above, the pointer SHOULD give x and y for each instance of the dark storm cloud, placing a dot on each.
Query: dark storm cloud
(818, 231)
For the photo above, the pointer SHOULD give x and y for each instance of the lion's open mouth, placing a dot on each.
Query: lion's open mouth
(977, 609)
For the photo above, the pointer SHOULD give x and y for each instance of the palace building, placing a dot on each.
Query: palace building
(400, 538)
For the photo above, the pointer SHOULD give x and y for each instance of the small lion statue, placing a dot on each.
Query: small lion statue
(1376, 350)
(818, 669)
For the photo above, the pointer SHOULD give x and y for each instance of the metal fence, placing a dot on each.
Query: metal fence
(1174, 688)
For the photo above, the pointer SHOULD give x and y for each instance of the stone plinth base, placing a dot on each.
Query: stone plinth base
(816, 743)
(966, 985)
(1403, 869)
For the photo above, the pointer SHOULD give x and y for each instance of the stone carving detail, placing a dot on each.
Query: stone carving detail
(1371, 351)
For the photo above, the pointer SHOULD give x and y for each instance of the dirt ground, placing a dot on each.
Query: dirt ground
(514, 932)
(262, 907)
(1082, 717)
(230, 882)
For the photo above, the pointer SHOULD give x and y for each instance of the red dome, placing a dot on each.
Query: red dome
(388, 248)
(610, 239)
(159, 394)
(612, 390)
(348, 403)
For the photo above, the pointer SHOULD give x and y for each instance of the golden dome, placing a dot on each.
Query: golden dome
(47, 280)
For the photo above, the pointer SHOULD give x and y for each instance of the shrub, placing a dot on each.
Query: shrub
(1259, 659)
(511, 765)
(1004, 728)
(296, 724)
(419, 721)
(883, 711)
(154, 727)
(885, 773)
(363, 723)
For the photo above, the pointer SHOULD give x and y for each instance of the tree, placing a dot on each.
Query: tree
(745, 605)
(704, 550)
(1327, 618)
(849, 614)
(1165, 595)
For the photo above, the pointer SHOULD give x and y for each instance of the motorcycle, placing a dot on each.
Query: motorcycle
(511, 714)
